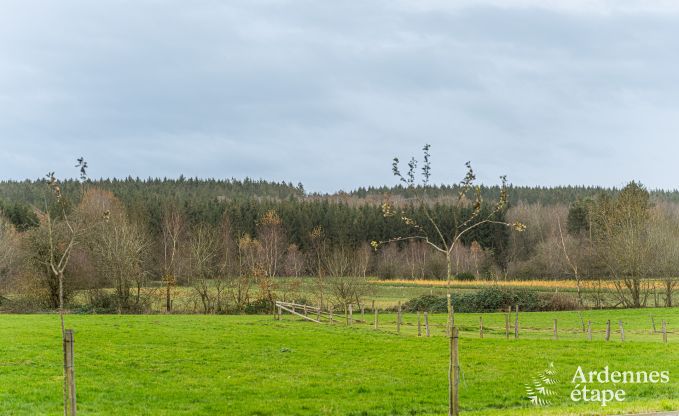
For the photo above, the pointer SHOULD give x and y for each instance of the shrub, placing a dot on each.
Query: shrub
(429, 303)
(100, 301)
(558, 302)
(490, 300)
(527, 300)
(436, 268)
(23, 304)
(387, 271)
(468, 277)
(260, 306)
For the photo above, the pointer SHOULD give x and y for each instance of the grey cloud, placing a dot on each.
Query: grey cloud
(327, 93)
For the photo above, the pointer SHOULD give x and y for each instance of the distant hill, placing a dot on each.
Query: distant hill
(129, 190)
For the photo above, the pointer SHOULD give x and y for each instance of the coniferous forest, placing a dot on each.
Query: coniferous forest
(188, 232)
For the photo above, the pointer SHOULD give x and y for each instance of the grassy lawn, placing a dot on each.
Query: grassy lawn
(253, 365)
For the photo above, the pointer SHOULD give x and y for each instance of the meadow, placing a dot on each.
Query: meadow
(254, 365)
(385, 293)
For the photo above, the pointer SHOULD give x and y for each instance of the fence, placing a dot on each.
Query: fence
(508, 325)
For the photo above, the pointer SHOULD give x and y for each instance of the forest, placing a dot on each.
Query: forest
(230, 241)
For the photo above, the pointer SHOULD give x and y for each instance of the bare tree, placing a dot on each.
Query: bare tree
(227, 249)
(575, 253)
(348, 289)
(665, 236)
(318, 248)
(389, 262)
(120, 249)
(294, 261)
(338, 261)
(271, 235)
(59, 251)
(416, 256)
(249, 267)
(227, 263)
(540, 234)
(64, 231)
(622, 239)
(9, 253)
(203, 250)
(362, 258)
(477, 255)
(173, 236)
(465, 219)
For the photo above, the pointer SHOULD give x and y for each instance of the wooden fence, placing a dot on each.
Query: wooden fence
(421, 324)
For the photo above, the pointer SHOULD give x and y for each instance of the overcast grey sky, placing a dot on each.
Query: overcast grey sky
(328, 92)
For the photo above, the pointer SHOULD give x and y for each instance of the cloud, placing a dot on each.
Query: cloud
(327, 93)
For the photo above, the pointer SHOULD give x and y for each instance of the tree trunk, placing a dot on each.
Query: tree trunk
(636, 293)
(450, 334)
(449, 266)
(668, 293)
(60, 276)
(168, 301)
(577, 282)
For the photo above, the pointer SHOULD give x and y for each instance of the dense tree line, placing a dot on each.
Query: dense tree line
(229, 241)
(244, 203)
(543, 195)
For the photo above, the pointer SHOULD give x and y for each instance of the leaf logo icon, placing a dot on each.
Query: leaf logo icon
(538, 392)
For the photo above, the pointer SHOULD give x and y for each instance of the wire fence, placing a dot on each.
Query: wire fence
(606, 325)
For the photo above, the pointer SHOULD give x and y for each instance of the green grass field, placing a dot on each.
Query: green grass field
(253, 365)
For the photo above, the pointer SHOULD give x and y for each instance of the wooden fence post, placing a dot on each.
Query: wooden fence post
(419, 323)
(375, 309)
(582, 322)
(664, 332)
(305, 311)
(481, 326)
(556, 335)
(332, 318)
(69, 370)
(455, 364)
(449, 320)
(622, 331)
(362, 313)
(516, 323)
(350, 315)
(507, 325)
(655, 296)
(426, 323)
(398, 318)
(653, 324)
(608, 330)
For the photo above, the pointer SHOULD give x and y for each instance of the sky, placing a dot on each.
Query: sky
(327, 92)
